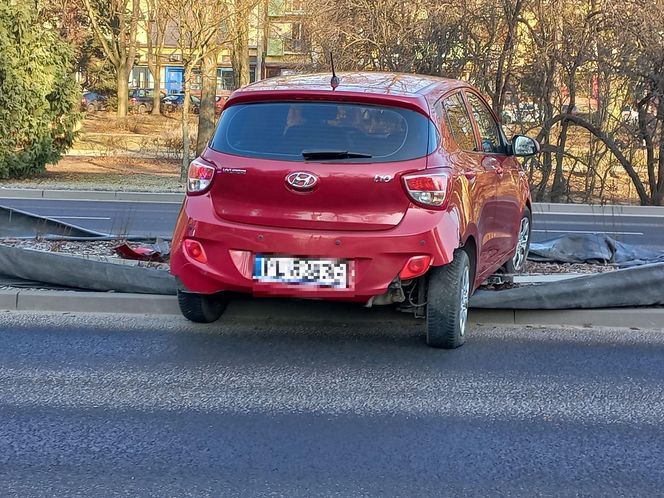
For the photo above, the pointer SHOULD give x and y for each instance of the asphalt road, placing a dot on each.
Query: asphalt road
(142, 406)
(150, 219)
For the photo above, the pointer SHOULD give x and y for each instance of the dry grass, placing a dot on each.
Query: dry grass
(140, 124)
(108, 173)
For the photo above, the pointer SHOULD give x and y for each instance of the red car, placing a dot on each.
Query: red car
(378, 189)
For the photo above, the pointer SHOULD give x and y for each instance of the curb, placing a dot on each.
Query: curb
(91, 195)
(90, 302)
(176, 197)
(144, 304)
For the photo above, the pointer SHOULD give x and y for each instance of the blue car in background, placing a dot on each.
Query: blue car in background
(93, 102)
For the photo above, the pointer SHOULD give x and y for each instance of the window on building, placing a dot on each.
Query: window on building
(225, 80)
(293, 38)
(196, 80)
(293, 6)
(140, 77)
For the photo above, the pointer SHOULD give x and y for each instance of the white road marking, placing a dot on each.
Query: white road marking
(75, 217)
(589, 231)
(626, 215)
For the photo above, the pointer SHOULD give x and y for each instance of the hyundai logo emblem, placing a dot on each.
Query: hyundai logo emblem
(301, 180)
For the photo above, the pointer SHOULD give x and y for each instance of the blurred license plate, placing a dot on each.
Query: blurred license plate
(323, 272)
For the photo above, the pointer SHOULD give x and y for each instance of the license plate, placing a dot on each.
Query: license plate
(291, 270)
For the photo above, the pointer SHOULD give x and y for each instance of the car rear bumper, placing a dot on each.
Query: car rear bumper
(375, 257)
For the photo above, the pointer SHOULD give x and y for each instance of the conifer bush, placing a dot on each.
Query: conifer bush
(39, 97)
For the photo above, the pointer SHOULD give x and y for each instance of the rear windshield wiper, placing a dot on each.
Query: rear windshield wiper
(333, 154)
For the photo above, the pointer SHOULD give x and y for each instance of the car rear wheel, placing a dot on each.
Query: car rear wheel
(142, 109)
(91, 108)
(447, 302)
(518, 261)
(201, 308)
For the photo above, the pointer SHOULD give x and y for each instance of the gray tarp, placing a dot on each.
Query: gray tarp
(592, 248)
(80, 273)
(638, 286)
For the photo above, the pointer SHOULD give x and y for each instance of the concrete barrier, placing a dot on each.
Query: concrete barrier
(175, 197)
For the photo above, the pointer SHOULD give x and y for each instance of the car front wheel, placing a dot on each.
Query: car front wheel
(447, 302)
(201, 308)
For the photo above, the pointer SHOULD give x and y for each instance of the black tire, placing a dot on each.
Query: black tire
(91, 108)
(142, 109)
(447, 302)
(517, 263)
(201, 308)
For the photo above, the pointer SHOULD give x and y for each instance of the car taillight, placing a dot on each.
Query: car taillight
(199, 177)
(429, 190)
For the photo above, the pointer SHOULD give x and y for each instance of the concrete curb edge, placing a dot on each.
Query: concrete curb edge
(91, 195)
(148, 304)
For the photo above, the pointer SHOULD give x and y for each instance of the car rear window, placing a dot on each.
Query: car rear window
(284, 130)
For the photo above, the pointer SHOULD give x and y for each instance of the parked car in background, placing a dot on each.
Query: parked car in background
(379, 189)
(174, 102)
(219, 103)
(93, 102)
(141, 100)
(583, 108)
(629, 115)
(523, 113)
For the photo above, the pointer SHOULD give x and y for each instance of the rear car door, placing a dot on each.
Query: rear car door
(493, 149)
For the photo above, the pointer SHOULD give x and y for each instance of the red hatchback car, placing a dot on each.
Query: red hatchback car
(381, 189)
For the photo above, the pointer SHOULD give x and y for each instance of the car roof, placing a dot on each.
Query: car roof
(403, 84)
(410, 90)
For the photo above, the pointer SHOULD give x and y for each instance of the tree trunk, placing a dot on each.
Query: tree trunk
(658, 195)
(156, 99)
(244, 54)
(123, 89)
(185, 123)
(240, 55)
(206, 115)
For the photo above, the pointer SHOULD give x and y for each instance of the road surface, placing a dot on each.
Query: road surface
(143, 406)
(157, 219)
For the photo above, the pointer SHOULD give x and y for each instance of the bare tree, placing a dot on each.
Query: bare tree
(115, 24)
(234, 33)
(155, 23)
(240, 40)
(381, 35)
(198, 26)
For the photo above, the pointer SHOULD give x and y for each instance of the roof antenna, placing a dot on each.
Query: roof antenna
(334, 82)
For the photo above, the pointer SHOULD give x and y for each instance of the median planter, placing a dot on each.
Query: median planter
(70, 271)
(637, 286)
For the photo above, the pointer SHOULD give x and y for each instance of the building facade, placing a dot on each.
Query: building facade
(276, 46)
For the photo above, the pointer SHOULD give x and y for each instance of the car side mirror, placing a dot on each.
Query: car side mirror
(523, 146)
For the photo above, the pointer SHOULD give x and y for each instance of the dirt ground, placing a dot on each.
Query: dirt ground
(108, 173)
